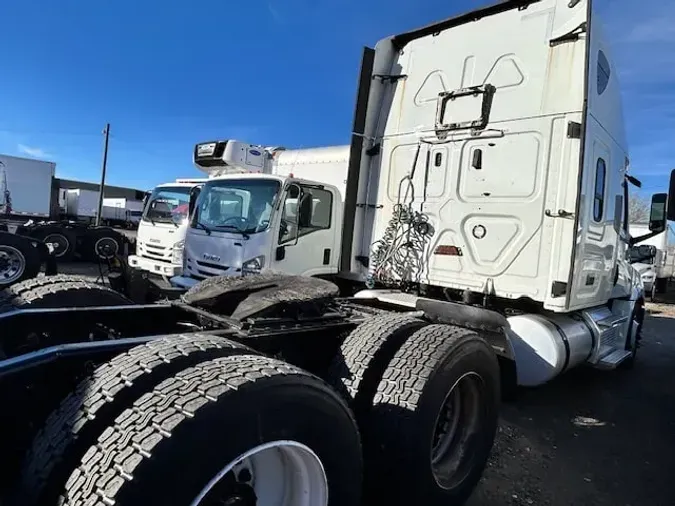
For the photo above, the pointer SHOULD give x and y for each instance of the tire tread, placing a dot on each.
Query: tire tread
(76, 422)
(123, 446)
(31, 290)
(366, 352)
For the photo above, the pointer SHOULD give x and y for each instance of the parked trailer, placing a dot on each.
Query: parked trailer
(28, 218)
(411, 370)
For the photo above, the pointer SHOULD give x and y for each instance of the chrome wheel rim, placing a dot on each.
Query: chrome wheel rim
(281, 473)
(12, 265)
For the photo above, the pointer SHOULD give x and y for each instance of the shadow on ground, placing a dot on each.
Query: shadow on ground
(592, 437)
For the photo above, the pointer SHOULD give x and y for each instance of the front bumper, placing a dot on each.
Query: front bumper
(154, 266)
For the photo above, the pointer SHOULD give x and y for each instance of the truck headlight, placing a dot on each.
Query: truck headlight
(254, 265)
(177, 253)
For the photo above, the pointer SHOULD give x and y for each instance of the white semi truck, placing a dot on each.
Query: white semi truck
(656, 272)
(434, 205)
(486, 204)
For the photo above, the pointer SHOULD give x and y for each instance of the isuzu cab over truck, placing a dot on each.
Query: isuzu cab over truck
(238, 227)
(161, 233)
(486, 206)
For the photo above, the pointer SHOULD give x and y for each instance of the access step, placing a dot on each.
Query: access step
(613, 359)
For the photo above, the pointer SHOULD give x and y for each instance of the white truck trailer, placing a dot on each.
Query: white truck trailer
(486, 204)
(656, 272)
(122, 211)
(25, 187)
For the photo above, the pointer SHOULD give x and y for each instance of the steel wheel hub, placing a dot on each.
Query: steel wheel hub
(457, 425)
(12, 264)
(60, 243)
(106, 247)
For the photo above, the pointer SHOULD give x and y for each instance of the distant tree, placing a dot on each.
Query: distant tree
(638, 209)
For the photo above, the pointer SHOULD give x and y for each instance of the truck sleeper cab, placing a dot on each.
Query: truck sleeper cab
(495, 174)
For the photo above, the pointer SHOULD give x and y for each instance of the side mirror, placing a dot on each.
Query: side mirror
(671, 197)
(194, 195)
(657, 214)
(294, 228)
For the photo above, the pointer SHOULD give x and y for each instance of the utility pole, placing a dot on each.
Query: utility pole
(106, 132)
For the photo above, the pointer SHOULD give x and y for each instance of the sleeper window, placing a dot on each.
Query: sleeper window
(604, 71)
(599, 190)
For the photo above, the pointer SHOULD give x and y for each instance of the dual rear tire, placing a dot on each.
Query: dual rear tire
(196, 420)
(426, 399)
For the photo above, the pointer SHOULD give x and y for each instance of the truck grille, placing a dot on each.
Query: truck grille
(213, 266)
(203, 270)
(155, 252)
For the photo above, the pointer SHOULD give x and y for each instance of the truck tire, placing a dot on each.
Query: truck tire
(95, 403)
(58, 291)
(433, 420)
(365, 354)
(235, 430)
(105, 244)
(19, 259)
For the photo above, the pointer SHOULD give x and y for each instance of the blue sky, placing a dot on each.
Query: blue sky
(169, 74)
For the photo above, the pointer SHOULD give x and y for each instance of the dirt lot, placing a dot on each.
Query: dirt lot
(591, 437)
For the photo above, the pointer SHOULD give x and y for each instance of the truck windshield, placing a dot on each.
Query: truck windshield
(239, 205)
(168, 204)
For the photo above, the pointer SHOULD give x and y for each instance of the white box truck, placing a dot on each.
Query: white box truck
(130, 214)
(231, 232)
(81, 204)
(161, 232)
(656, 272)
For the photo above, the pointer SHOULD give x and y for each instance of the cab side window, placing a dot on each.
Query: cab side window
(310, 214)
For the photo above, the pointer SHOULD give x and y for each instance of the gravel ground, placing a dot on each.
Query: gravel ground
(593, 437)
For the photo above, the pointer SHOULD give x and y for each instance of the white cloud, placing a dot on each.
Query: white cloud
(34, 152)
